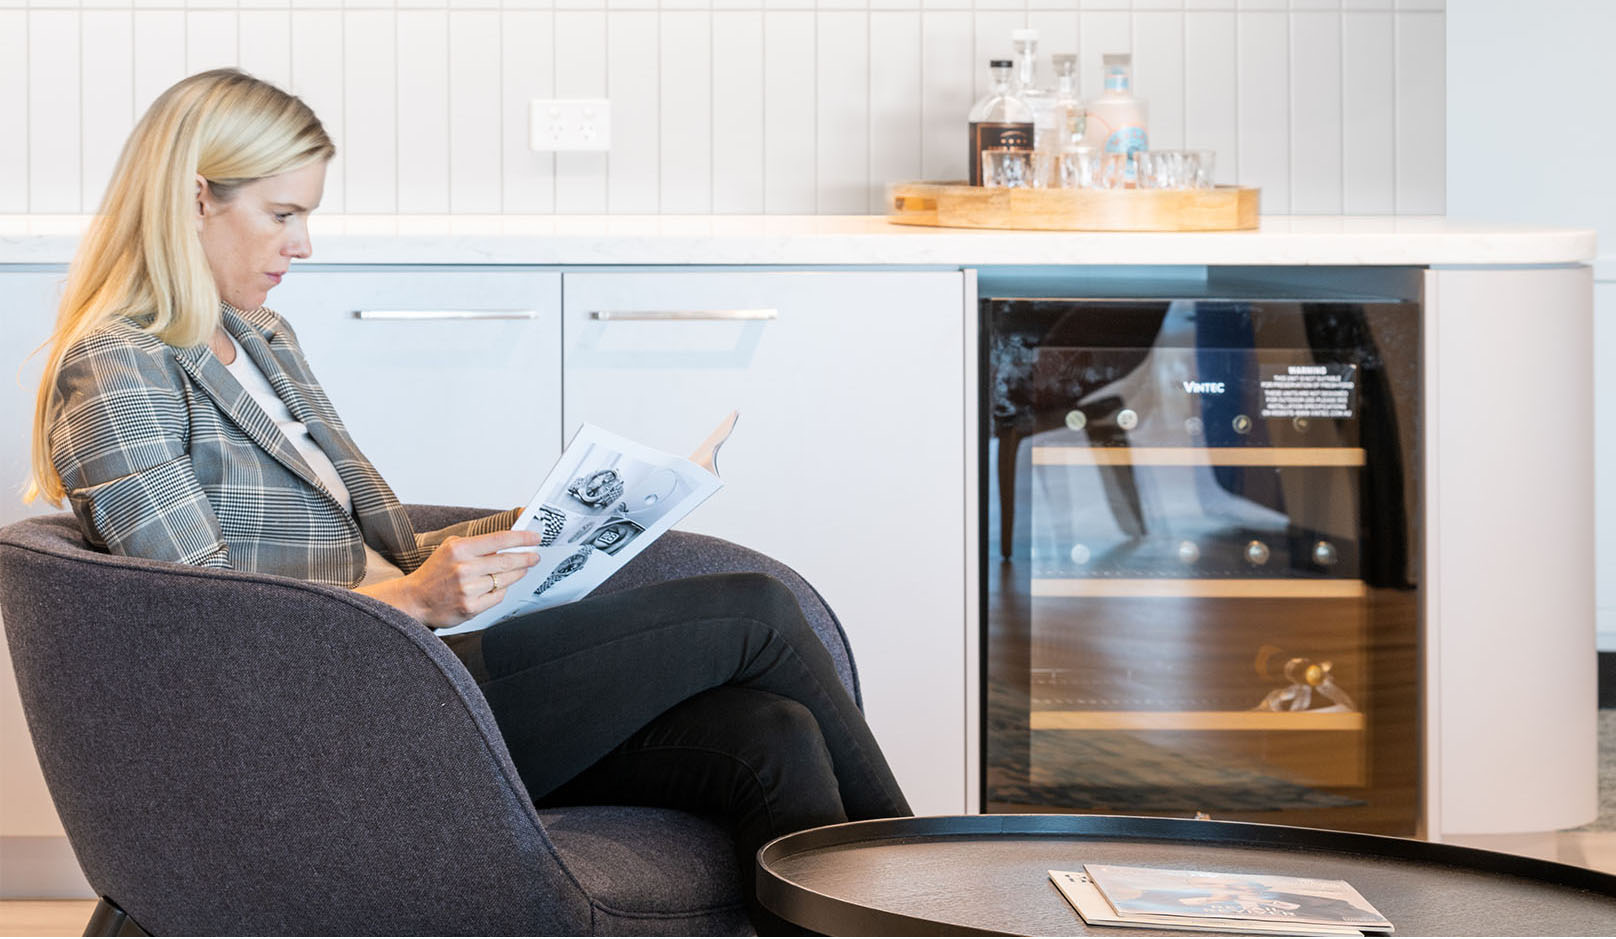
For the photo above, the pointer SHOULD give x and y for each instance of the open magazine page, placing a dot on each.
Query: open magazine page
(1245, 897)
(605, 500)
(1092, 905)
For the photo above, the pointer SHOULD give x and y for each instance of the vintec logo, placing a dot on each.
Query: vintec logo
(1203, 387)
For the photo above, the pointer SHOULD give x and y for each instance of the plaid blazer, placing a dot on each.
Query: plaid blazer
(164, 455)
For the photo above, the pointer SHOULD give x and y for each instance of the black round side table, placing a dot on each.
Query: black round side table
(988, 875)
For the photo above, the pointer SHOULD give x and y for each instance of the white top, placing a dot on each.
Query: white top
(866, 239)
(377, 567)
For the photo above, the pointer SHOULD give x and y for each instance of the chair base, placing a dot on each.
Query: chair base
(110, 920)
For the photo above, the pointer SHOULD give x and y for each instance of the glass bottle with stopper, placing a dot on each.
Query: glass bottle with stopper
(1000, 121)
(1068, 116)
(1026, 86)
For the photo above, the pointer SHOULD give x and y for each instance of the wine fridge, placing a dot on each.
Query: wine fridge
(1201, 577)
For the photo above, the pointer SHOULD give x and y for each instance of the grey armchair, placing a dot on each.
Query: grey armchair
(235, 753)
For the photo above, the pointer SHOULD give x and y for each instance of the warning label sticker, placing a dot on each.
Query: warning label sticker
(1328, 390)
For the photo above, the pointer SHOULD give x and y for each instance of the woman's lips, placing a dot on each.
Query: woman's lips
(276, 278)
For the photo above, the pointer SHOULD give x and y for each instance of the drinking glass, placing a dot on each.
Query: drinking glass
(1167, 169)
(1206, 162)
(1079, 168)
(1113, 171)
(1007, 169)
(1146, 168)
(1046, 171)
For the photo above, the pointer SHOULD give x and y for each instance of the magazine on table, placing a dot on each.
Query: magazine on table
(605, 500)
(1211, 901)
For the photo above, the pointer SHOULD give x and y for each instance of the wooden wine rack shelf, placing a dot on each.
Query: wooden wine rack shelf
(1243, 588)
(1197, 720)
(1197, 456)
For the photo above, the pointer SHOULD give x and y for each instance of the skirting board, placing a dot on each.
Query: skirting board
(40, 868)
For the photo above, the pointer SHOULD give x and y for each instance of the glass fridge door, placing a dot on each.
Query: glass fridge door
(1200, 566)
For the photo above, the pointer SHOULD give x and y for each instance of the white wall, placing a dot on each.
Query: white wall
(1530, 138)
(729, 106)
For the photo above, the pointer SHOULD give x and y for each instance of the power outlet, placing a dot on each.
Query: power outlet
(570, 124)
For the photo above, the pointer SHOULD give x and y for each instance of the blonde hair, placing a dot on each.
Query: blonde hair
(141, 256)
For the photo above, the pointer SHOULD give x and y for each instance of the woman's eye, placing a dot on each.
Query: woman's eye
(282, 216)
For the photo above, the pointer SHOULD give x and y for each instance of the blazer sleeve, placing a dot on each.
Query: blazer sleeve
(500, 521)
(119, 438)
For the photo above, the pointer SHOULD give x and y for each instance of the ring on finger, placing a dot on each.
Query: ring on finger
(494, 578)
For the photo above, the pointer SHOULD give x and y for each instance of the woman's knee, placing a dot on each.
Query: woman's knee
(760, 592)
(783, 744)
(784, 723)
(765, 600)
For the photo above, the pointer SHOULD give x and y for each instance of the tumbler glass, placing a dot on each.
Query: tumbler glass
(1079, 168)
(1113, 171)
(1145, 168)
(1167, 169)
(1046, 171)
(1007, 169)
(1206, 164)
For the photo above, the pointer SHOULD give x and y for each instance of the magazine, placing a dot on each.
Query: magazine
(604, 501)
(1212, 901)
(1090, 904)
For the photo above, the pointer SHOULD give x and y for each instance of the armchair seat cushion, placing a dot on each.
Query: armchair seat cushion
(650, 871)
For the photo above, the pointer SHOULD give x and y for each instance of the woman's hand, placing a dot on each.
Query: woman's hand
(463, 577)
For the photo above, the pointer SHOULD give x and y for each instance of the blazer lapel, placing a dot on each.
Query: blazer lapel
(381, 518)
(236, 404)
(257, 334)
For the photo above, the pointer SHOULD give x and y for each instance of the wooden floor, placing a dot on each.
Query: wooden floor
(44, 917)
(1595, 849)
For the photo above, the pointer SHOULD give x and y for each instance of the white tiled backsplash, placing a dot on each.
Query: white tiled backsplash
(729, 106)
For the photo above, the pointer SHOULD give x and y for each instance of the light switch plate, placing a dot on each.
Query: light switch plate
(569, 124)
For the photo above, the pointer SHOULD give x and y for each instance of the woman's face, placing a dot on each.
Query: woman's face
(251, 239)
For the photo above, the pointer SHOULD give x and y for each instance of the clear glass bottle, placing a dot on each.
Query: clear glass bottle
(1042, 102)
(1070, 117)
(1002, 120)
(1116, 119)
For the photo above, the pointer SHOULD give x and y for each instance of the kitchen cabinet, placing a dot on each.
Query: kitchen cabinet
(29, 298)
(449, 380)
(848, 462)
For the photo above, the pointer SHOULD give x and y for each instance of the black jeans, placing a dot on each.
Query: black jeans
(709, 694)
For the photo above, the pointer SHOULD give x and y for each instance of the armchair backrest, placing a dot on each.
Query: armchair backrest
(235, 753)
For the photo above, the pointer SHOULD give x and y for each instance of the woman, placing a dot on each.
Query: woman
(179, 418)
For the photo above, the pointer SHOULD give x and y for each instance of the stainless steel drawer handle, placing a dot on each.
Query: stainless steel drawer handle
(446, 314)
(761, 314)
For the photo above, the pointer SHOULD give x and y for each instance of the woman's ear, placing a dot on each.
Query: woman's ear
(203, 201)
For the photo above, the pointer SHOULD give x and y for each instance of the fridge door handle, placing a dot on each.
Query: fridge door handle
(682, 315)
(446, 314)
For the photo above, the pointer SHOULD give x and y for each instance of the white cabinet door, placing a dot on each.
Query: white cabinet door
(449, 381)
(848, 462)
(28, 301)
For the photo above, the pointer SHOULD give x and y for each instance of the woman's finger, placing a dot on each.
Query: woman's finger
(500, 541)
(481, 602)
(501, 564)
(480, 583)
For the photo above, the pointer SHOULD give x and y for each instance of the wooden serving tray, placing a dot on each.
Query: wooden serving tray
(956, 205)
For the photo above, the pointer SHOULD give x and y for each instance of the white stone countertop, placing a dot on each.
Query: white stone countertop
(866, 239)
